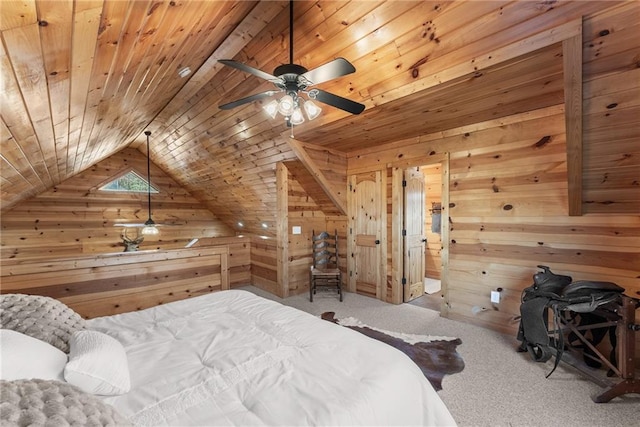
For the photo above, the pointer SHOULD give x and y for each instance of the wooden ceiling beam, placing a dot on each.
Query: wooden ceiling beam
(572, 60)
(338, 197)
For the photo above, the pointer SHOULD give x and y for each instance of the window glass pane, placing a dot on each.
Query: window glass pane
(130, 182)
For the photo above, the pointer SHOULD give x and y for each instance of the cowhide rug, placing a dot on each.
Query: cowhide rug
(436, 356)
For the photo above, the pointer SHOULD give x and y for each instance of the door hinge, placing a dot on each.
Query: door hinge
(404, 232)
(404, 182)
(404, 281)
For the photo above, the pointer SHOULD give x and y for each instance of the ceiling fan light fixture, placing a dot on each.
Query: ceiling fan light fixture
(271, 109)
(297, 118)
(286, 105)
(312, 109)
(295, 79)
(150, 228)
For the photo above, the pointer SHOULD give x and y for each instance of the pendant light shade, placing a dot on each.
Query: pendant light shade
(271, 108)
(297, 118)
(149, 226)
(286, 105)
(311, 109)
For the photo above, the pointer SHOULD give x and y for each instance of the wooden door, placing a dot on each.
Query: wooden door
(367, 242)
(414, 239)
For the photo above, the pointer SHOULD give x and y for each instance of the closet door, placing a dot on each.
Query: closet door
(367, 236)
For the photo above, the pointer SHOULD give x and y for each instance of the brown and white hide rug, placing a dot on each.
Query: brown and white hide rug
(436, 356)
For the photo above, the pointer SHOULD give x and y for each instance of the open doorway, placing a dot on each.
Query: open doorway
(422, 218)
(419, 248)
(432, 229)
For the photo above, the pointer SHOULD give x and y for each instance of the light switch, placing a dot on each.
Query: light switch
(296, 229)
(495, 297)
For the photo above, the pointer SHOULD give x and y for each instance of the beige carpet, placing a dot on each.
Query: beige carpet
(498, 386)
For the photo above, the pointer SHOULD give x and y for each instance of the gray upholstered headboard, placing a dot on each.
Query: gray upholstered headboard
(40, 317)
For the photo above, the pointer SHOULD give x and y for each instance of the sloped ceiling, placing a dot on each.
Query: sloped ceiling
(84, 79)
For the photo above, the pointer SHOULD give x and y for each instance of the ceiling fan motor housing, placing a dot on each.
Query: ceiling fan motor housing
(293, 69)
(291, 78)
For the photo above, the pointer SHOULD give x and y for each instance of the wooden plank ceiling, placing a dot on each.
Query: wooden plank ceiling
(84, 79)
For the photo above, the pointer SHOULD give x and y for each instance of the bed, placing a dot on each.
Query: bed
(234, 358)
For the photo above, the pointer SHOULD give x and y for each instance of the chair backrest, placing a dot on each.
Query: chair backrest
(324, 249)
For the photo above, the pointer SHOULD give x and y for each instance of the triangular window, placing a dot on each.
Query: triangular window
(130, 182)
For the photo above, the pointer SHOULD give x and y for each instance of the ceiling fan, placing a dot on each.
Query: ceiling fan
(294, 79)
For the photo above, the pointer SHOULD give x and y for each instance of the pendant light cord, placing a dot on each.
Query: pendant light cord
(148, 133)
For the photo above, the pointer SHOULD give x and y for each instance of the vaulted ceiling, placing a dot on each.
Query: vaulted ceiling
(84, 79)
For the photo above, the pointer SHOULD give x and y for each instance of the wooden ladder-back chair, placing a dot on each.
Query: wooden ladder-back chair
(325, 270)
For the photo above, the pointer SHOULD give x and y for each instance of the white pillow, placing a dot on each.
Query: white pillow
(97, 364)
(23, 358)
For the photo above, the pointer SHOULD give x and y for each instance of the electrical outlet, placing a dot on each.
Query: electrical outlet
(495, 297)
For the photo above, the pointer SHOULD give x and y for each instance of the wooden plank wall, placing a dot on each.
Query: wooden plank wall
(508, 185)
(508, 219)
(264, 271)
(306, 214)
(106, 284)
(508, 209)
(73, 224)
(239, 262)
(76, 218)
(611, 108)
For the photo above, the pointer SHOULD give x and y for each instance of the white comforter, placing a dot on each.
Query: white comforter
(233, 358)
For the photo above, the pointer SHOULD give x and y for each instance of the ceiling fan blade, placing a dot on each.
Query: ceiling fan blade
(242, 101)
(339, 102)
(337, 68)
(247, 69)
(142, 224)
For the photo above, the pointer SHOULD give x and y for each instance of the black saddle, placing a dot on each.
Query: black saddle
(560, 294)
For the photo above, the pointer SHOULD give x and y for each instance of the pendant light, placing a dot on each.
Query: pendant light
(149, 226)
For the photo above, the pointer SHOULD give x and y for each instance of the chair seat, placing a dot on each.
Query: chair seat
(325, 271)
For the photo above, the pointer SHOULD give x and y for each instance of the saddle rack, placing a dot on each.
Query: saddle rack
(623, 318)
(579, 308)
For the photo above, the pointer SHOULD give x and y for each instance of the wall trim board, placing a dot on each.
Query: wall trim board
(572, 64)
(282, 230)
